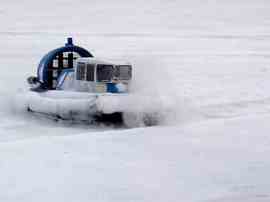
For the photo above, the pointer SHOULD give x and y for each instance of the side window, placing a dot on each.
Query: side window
(90, 72)
(123, 72)
(104, 72)
(81, 71)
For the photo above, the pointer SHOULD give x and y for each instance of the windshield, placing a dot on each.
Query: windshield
(123, 72)
(104, 72)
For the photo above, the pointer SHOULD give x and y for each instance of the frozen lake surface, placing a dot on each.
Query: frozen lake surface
(207, 61)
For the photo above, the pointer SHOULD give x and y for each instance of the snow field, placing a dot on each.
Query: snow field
(205, 63)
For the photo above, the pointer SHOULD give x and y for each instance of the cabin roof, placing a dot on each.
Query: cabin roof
(91, 60)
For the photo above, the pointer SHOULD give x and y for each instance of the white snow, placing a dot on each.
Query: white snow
(207, 63)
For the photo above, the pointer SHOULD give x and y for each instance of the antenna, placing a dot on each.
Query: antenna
(69, 41)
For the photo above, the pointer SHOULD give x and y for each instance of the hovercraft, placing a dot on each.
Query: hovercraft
(71, 84)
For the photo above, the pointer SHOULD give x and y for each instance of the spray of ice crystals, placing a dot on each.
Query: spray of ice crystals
(153, 91)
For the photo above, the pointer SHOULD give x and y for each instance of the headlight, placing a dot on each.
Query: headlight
(101, 88)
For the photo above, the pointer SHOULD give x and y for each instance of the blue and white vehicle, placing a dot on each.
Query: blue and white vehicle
(73, 85)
